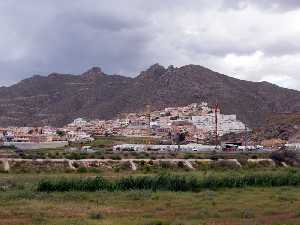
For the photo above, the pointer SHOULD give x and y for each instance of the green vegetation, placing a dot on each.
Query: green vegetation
(102, 142)
(60, 133)
(108, 142)
(173, 182)
(22, 204)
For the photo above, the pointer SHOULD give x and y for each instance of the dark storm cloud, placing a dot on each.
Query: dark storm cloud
(72, 40)
(81, 40)
(125, 37)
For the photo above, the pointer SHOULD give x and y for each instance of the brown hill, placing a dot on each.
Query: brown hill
(285, 126)
(279, 127)
(57, 98)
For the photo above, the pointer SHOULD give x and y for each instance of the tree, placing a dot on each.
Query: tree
(60, 133)
(179, 138)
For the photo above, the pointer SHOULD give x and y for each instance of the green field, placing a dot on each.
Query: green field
(21, 203)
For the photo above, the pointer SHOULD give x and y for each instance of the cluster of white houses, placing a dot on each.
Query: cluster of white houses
(197, 121)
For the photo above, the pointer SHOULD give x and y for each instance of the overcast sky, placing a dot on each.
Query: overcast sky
(254, 40)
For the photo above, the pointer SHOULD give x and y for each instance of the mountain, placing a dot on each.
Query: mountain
(57, 99)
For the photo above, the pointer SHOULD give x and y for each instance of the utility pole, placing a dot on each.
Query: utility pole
(246, 138)
(148, 117)
(216, 124)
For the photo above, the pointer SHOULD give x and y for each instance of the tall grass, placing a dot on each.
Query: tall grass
(88, 184)
(172, 182)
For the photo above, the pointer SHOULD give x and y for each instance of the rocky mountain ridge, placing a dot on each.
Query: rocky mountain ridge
(57, 99)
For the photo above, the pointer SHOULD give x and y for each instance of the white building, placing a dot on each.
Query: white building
(79, 122)
(77, 136)
(226, 123)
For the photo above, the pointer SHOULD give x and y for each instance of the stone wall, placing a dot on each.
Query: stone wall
(63, 165)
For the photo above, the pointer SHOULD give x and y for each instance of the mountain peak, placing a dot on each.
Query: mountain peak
(93, 73)
(156, 67)
(195, 67)
(154, 71)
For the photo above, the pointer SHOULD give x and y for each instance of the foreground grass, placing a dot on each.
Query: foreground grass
(20, 203)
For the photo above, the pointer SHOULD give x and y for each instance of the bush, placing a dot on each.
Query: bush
(82, 170)
(115, 157)
(247, 214)
(181, 164)
(254, 157)
(189, 156)
(223, 164)
(203, 165)
(157, 223)
(139, 195)
(165, 164)
(94, 170)
(122, 166)
(214, 157)
(96, 215)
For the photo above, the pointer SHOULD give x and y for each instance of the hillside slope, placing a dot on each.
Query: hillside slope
(57, 98)
(285, 126)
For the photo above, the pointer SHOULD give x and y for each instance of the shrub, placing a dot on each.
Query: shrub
(139, 195)
(82, 170)
(76, 164)
(157, 223)
(214, 157)
(115, 157)
(146, 168)
(247, 214)
(254, 157)
(94, 170)
(223, 164)
(124, 166)
(165, 164)
(189, 156)
(181, 164)
(96, 215)
(203, 165)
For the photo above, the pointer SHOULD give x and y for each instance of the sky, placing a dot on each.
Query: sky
(255, 40)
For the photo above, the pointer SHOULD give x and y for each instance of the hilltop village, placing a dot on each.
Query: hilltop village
(197, 121)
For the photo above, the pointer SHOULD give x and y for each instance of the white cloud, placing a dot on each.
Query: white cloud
(280, 70)
(248, 43)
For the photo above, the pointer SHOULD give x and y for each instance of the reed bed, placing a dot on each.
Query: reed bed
(171, 182)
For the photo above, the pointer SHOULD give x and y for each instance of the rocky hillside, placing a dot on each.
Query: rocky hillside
(285, 126)
(277, 127)
(57, 99)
